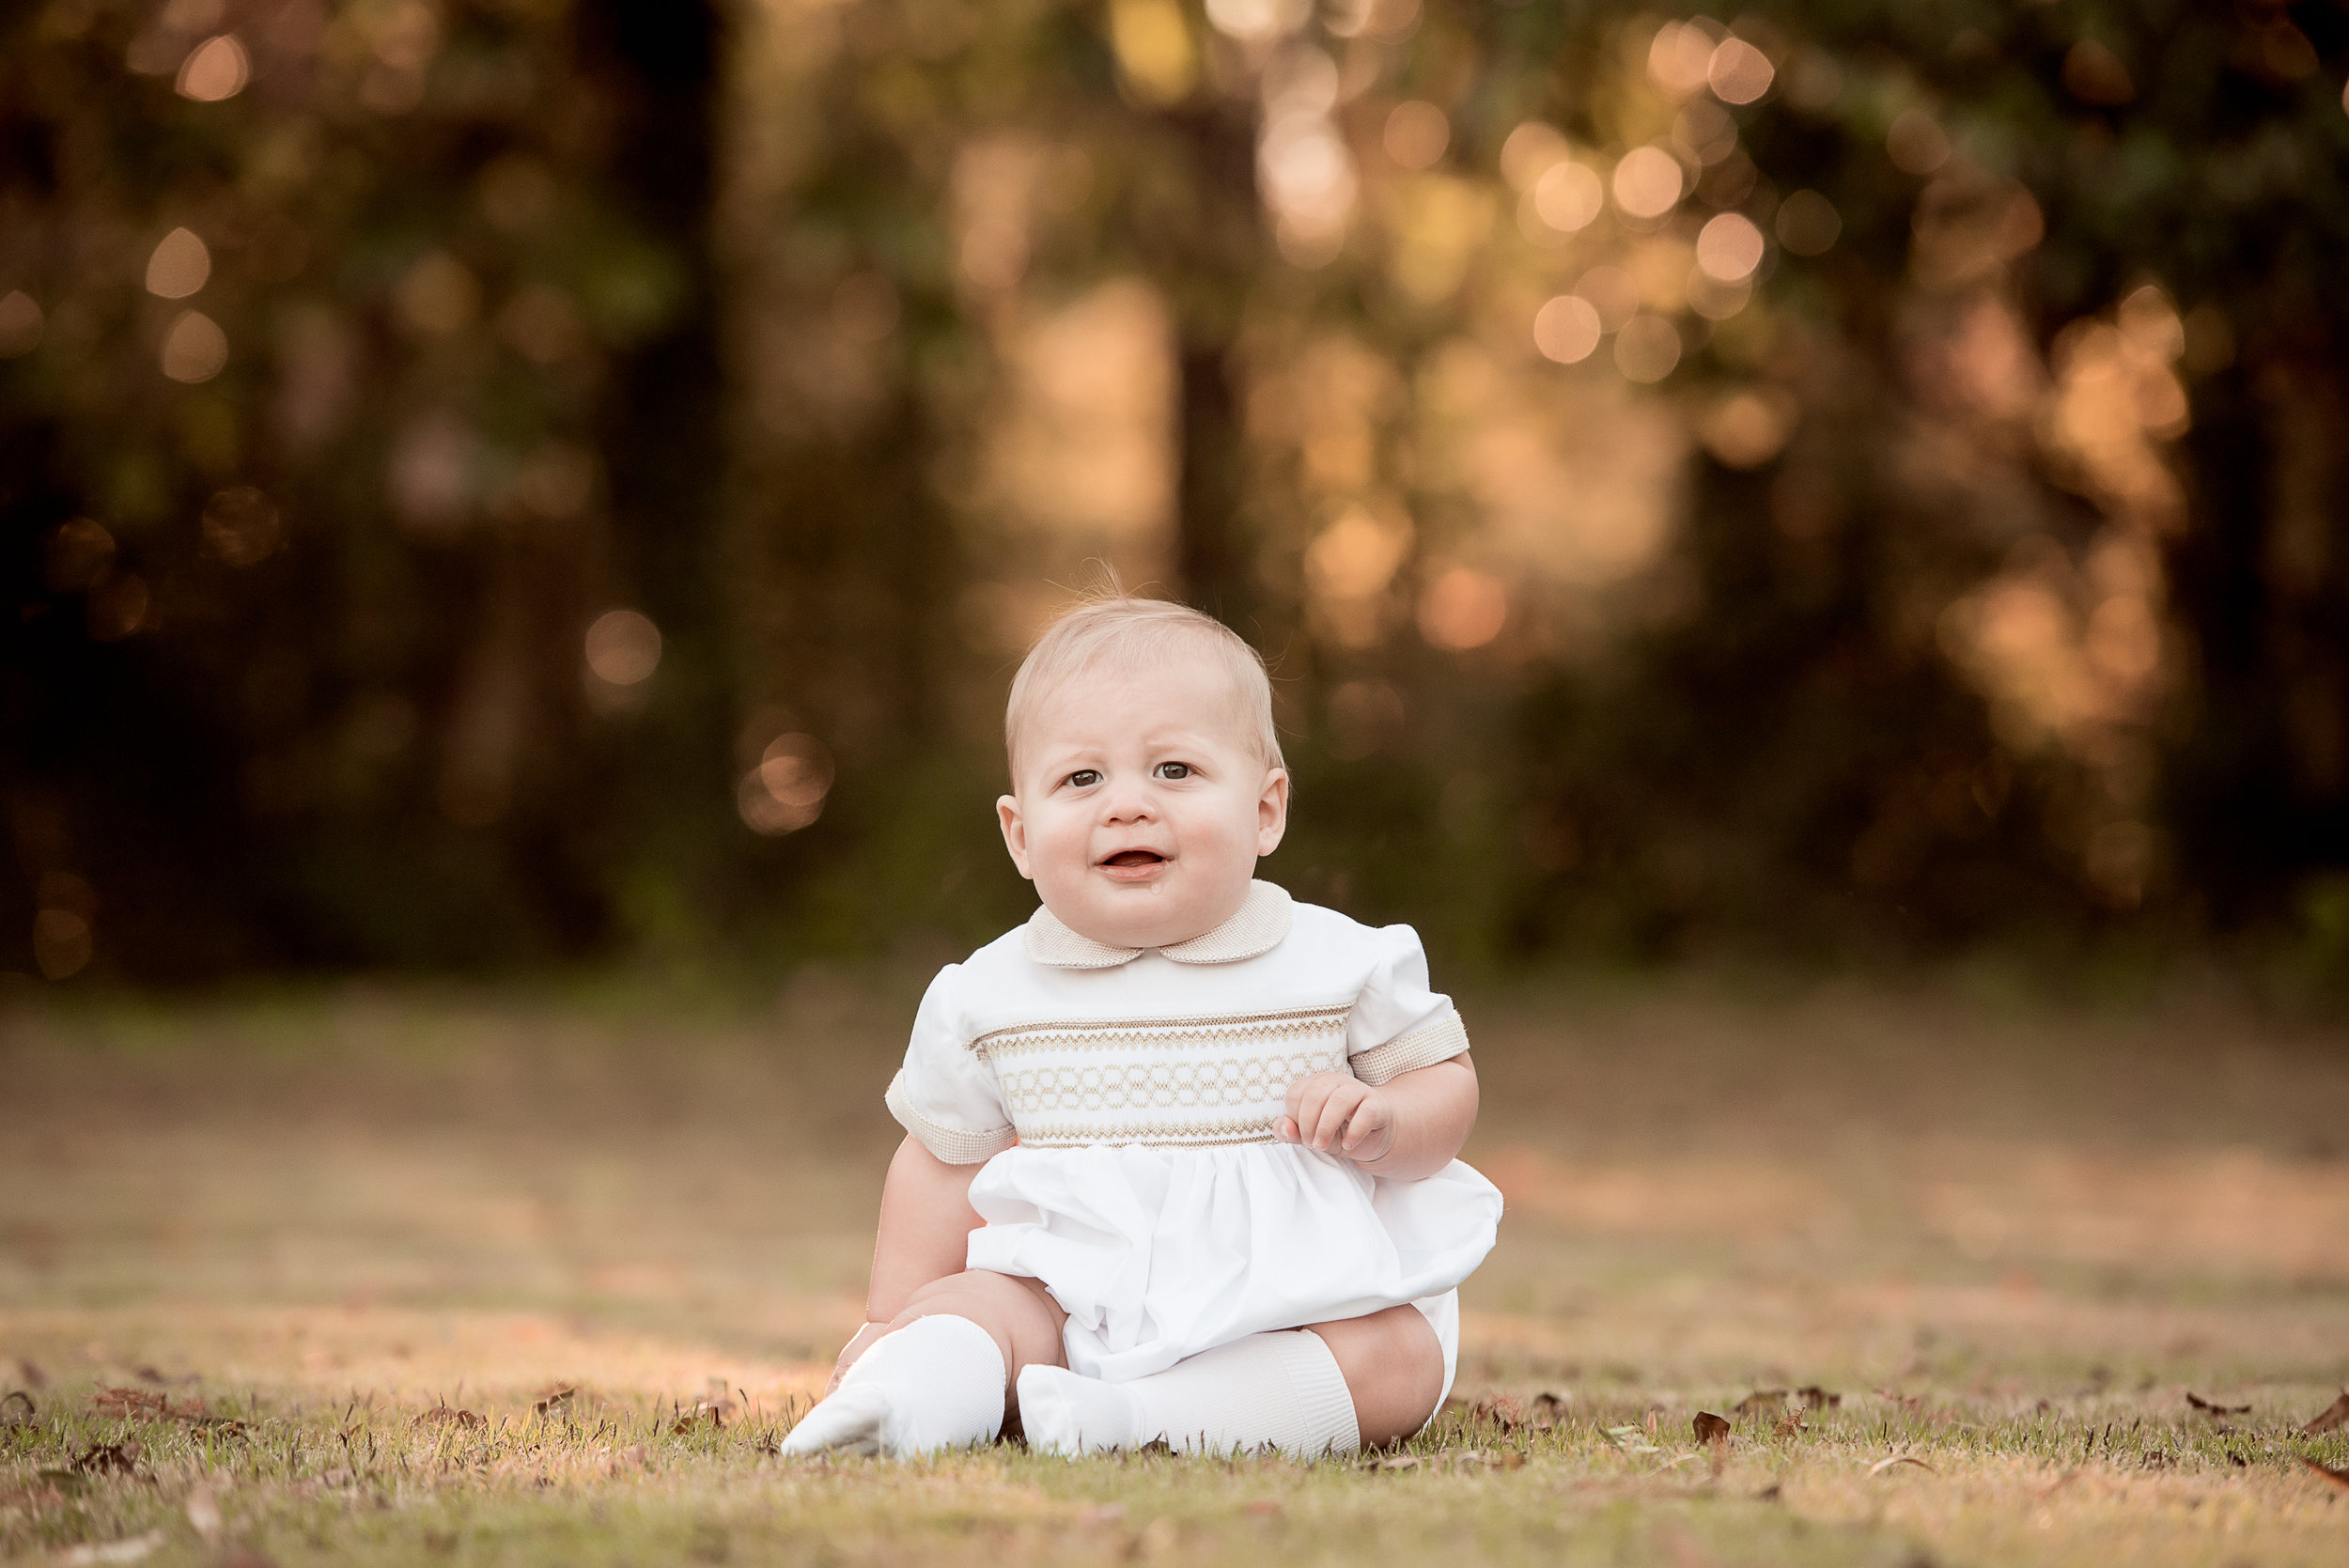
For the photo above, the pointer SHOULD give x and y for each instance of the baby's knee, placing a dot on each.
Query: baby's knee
(1012, 1310)
(1392, 1363)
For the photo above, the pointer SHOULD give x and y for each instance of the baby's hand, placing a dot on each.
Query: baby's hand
(1337, 1111)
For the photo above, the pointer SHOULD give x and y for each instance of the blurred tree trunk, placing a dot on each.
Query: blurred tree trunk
(659, 62)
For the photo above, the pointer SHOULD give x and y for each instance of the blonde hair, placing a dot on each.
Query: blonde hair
(1123, 635)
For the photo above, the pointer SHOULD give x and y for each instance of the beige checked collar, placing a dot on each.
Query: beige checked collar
(1263, 920)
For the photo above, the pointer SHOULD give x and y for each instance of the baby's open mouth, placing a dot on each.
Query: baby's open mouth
(1135, 858)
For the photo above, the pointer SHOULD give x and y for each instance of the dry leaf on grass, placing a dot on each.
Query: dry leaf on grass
(1549, 1410)
(131, 1402)
(106, 1459)
(17, 1408)
(2211, 1408)
(1883, 1464)
(2339, 1478)
(1789, 1425)
(449, 1415)
(1710, 1428)
(555, 1399)
(1815, 1398)
(2333, 1415)
(1760, 1401)
(1396, 1462)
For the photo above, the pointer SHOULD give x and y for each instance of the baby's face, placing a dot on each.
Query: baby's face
(1139, 807)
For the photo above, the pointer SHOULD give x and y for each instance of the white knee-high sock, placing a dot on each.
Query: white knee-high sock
(1280, 1390)
(937, 1382)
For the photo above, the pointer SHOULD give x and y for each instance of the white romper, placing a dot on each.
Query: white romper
(1123, 1100)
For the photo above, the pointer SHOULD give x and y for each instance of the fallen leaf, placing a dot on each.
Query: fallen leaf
(1710, 1428)
(2211, 1408)
(145, 1373)
(1883, 1464)
(1789, 1425)
(2339, 1478)
(1503, 1411)
(1549, 1410)
(2333, 1415)
(1770, 1492)
(1907, 1402)
(1397, 1462)
(17, 1397)
(556, 1398)
(128, 1550)
(107, 1459)
(131, 1402)
(447, 1415)
(1759, 1400)
(1815, 1398)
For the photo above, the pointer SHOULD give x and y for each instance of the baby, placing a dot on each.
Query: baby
(1179, 1155)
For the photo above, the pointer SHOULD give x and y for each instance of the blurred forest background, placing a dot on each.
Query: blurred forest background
(500, 483)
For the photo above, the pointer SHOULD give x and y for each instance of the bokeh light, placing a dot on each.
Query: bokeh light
(1807, 223)
(1680, 57)
(21, 323)
(242, 526)
(1417, 133)
(1738, 72)
(180, 264)
(61, 943)
(1647, 347)
(1648, 182)
(623, 647)
(1729, 247)
(195, 349)
(1917, 143)
(1463, 609)
(1566, 329)
(214, 69)
(79, 554)
(787, 791)
(1567, 196)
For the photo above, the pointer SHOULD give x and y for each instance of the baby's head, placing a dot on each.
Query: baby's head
(1145, 774)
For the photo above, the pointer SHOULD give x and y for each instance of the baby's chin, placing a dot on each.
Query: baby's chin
(1141, 914)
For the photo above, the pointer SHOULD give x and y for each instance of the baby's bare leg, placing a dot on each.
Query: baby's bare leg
(1393, 1367)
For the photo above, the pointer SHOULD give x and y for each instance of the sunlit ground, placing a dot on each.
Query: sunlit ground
(2009, 1238)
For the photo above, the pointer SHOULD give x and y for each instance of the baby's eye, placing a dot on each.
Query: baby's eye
(1085, 778)
(1174, 769)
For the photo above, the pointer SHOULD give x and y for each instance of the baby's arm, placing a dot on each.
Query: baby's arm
(1411, 1128)
(925, 1223)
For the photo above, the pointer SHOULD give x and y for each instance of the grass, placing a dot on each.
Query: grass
(295, 1236)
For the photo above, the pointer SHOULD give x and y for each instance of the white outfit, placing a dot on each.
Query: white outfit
(1123, 1100)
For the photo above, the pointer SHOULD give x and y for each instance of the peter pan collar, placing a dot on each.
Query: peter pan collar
(1263, 920)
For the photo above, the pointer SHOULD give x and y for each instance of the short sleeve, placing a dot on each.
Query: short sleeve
(944, 1095)
(1398, 1025)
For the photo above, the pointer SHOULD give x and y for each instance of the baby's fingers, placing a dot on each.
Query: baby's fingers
(1329, 1124)
(1369, 1119)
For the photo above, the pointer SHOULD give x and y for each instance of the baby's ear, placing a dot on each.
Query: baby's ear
(1015, 831)
(1273, 810)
